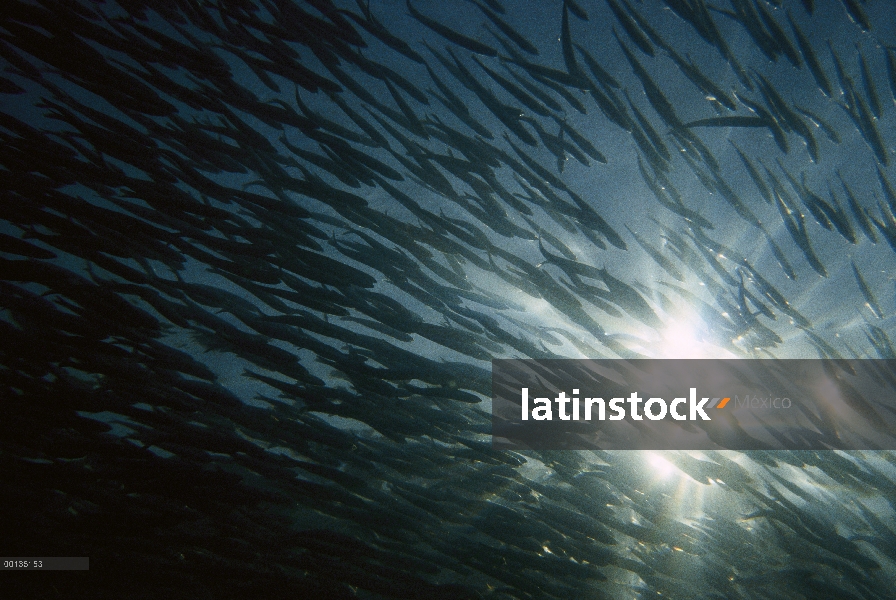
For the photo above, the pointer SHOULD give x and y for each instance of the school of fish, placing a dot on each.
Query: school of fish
(257, 255)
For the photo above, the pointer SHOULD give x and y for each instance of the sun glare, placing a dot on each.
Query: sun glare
(681, 339)
(661, 467)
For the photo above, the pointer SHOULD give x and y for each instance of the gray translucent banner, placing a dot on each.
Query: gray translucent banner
(694, 404)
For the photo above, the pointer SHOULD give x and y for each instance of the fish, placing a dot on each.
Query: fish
(856, 14)
(451, 35)
(527, 100)
(748, 15)
(857, 211)
(654, 94)
(868, 83)
(375, 28)
(829, 131)
(569, 55)
(631, 28)
(658, 257)
(891, 71)
(597, 71)
(575, 9)
(810, 58)
(789, 119)
(580, 141)
(870, 301)
(540, 94)
(779, 35)
(507, 30)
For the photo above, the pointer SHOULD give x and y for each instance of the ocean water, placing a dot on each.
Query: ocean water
(257, 258)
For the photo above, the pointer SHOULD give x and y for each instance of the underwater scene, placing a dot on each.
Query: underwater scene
(257, 258)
